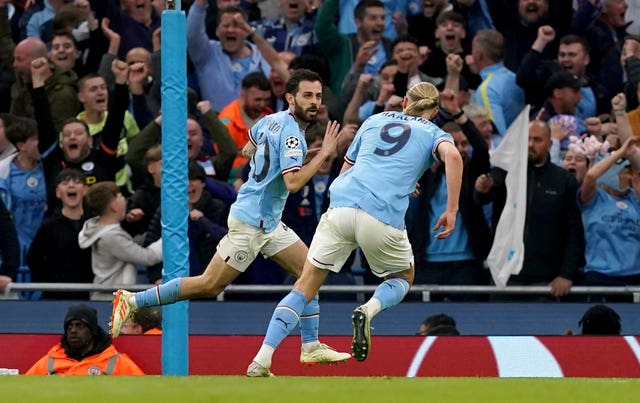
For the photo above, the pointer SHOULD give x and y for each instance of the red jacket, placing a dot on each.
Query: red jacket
(108, 362)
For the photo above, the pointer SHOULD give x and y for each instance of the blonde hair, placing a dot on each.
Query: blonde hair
(423, 97)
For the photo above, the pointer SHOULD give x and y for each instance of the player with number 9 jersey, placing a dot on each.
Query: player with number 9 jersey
(390, 148)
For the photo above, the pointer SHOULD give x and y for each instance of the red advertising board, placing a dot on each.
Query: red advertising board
(476, 356)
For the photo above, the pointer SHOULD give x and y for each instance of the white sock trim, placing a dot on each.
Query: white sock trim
(372, 307)
(264, 355)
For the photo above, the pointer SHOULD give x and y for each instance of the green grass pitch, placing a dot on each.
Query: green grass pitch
(234, 389)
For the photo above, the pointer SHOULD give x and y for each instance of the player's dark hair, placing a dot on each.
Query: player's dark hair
(299, 75)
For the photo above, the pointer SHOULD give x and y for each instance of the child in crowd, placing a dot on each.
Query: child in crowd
(55, 255)
(114, 254)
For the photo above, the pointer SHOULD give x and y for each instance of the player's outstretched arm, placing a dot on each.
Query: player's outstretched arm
(453, 175)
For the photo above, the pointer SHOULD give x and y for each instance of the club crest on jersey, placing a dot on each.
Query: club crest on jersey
(292, 144)
(240, 256)
(88, 166)
(32, 181)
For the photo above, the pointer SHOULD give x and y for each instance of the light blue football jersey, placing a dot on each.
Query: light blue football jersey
(280, 148)
(390, 152)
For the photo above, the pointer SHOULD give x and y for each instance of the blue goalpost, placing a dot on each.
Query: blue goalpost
(175, 245)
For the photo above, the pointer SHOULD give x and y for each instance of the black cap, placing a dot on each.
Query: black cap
(564, 79)
(600, 320)
(84, 314)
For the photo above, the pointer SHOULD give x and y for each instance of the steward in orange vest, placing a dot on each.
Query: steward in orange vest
(85, 349)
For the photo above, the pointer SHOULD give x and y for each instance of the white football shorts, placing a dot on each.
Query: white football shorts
(342, 229)
(243, 242)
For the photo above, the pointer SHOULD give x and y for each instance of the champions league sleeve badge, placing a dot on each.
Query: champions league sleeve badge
(292, 145)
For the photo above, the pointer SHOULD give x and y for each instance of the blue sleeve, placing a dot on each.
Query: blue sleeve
(292, 148)
(197, 40)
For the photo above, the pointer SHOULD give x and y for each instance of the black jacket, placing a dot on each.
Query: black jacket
(472, 215)
(56, 257)
(553, 232)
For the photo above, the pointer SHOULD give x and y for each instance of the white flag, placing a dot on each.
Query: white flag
(507, 253)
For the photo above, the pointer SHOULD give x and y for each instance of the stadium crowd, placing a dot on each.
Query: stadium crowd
(80, 104)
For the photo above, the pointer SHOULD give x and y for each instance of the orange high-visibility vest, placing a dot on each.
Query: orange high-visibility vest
(108, 362)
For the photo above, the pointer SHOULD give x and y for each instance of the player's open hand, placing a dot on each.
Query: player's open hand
(331, 136)
(447, 222)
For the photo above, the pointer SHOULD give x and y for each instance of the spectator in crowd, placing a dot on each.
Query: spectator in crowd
(563, 96)
(481, 120)
(450, 33)
(611, 221)
(293, 31)
(94, 97)
(145, 90)
(206, 226)
(144, 321)
(114, 254)
(600, 320)
(394, 20)
(22, 179)
(573, 56)
(366, 49)
(458, 259)
(75, 149)
(84, 349)
(255, 12)
(422, 26)
(498, 92)
(520, 20)
(134, 20)
(245, 111)
(38, 19)
(581, 153)
(278, 101)
(64, 51)
(59, 83)
(434, 323)
(77, 18)
(602, 23)
(254, 230)
(217, 167)
(372, 94)
(55, 255)
(9, 248)
(405, 51)
(553, 237)
(229, 59)
(143, 203)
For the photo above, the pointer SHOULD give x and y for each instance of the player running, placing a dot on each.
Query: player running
(369, 200)
(277, 149)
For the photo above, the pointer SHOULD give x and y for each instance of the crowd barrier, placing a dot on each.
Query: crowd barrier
(426, 291)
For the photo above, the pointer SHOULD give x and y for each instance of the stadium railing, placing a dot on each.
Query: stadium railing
(12, 290)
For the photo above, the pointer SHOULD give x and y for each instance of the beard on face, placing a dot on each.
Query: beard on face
(303, 114)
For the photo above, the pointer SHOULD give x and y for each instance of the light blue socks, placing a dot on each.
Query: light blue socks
(163, 294)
